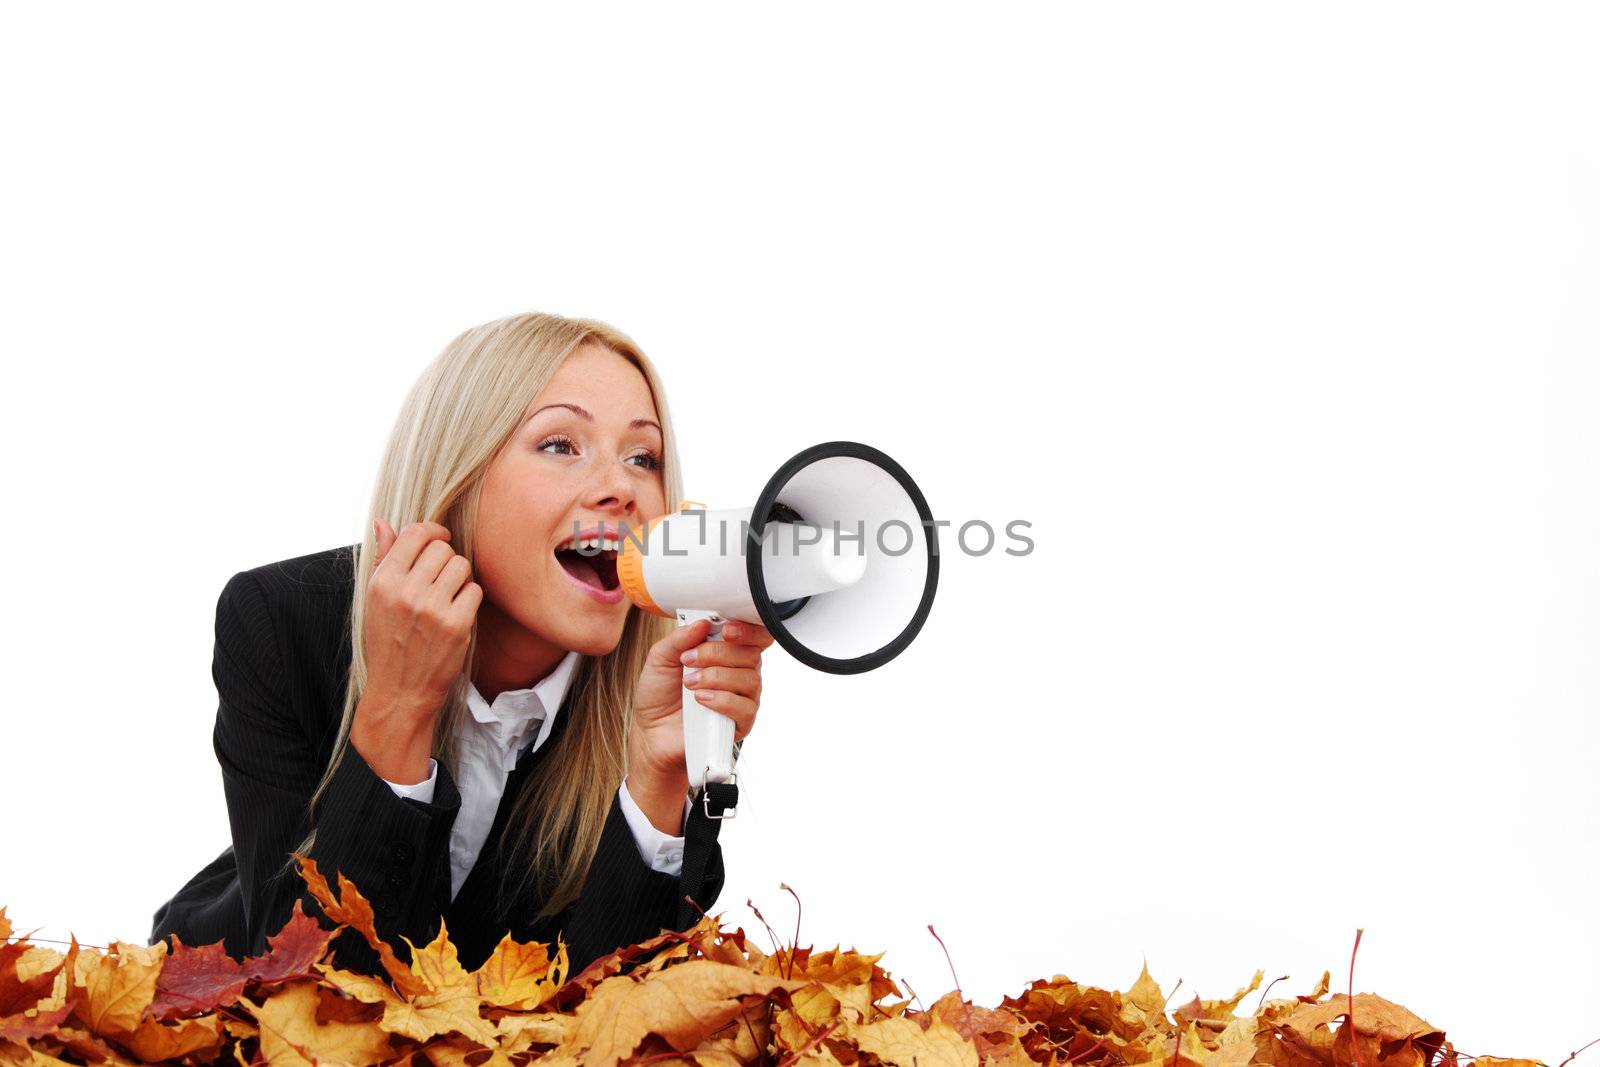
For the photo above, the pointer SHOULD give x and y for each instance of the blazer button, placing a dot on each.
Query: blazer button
(384, 905)
(397, 880)
(402, 852)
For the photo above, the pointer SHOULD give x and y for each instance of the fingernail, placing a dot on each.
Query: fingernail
(688, 657)
(375, 533)
(690, 677)
(704, 695)
(733, 633)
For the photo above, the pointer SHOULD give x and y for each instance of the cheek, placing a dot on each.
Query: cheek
(516, 526)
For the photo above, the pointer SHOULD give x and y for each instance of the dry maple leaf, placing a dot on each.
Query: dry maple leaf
(453, 1009)
(612, 963)
(290, 1033)
(684, 1004)
(1383, 1032)
(520, 976)
(1217, 1009)
(29, 1004)
(995, 1033)
(352, 909)
(902, 1041)
(119, 986)
(196, 980)
(158, 1042)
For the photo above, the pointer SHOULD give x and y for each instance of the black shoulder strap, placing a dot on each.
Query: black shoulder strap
(699, 838)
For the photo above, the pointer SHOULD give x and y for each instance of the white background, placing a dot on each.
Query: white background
(1278, 324)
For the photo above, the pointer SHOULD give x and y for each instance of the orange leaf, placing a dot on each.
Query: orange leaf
(290, 1033)
(684, 1004)
(119, 987)
(353, 910)
(520, 976)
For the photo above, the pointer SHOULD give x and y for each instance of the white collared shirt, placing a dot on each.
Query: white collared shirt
(489, 741)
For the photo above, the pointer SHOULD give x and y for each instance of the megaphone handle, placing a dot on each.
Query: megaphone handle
(708, 746)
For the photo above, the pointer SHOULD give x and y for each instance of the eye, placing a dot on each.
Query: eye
(652, 461)
(557, 439)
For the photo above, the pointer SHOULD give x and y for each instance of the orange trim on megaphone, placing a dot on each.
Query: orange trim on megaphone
(630, 570)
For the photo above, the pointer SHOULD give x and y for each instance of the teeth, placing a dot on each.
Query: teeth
(609, 542)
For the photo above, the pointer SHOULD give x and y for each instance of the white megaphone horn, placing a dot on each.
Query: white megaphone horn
(843, 579)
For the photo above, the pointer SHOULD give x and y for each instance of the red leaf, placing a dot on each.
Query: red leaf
(292, 951)
(196, 980)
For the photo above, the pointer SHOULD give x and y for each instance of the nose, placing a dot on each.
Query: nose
(614, 491)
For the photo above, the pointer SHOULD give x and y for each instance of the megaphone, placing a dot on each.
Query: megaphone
(838, 559)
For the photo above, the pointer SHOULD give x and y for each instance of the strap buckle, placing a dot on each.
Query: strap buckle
(727, 798)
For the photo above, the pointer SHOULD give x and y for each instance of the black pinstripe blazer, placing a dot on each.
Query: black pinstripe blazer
(281, 660)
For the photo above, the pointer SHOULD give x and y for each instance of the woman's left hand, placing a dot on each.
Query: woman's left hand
(724, 676)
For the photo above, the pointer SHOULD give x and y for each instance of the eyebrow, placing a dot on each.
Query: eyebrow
(573, 407)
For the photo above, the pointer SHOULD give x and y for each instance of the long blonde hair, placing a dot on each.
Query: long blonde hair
(461, 412)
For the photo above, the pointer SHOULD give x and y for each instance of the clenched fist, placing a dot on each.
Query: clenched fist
(420, 609)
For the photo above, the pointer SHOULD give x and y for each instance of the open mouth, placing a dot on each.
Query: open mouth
(591, 560)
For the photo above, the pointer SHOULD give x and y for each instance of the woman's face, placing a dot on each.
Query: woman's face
(586, 458)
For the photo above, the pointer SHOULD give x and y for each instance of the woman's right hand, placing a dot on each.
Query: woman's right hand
(419, 612)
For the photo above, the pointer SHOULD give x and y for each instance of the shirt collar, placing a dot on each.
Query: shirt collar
(515, 709)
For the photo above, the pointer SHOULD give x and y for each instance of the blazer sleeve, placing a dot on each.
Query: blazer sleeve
(624, 899)
(395, 849)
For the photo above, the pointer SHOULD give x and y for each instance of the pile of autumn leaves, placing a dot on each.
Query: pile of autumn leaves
(703, 998)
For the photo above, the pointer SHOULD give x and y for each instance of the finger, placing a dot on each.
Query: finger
(721, 653)
(416, 537)
(666, 652)
(739, 680)
(468, 599)
(426, 570)
(456, 571)
(747, 633)
(741, 709)
(383, 538)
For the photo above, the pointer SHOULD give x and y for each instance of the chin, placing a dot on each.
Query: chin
(595, 641)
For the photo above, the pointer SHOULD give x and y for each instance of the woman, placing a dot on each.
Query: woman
(466, 717)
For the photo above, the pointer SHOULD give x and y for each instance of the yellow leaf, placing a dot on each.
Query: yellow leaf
(519, 1033)
(901, 1041)
(421, 1018)
(437, 963)
(433, 1014)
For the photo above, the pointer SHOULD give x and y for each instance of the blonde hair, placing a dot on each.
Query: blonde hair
(461, 412)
